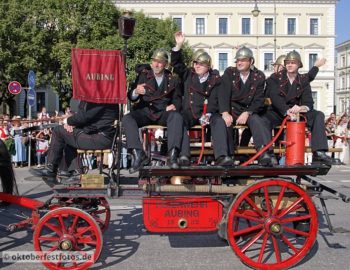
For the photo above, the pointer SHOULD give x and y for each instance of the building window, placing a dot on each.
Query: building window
(245, 26)
(342, 61)
(312, 59)
(342, 84)
(268, 61)
(341, 104)
(178, 22)
(200, 26)
(268, 26)
(291, 26)
(313, 26)
(344, 105)
(223, 61)
(222, 26)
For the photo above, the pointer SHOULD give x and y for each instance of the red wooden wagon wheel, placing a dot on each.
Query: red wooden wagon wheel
(272, 224)
(98, 208)
(102, 214)
(68, 229)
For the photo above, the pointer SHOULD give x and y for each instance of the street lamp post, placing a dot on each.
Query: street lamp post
(255, 13)
(126, 25)
(256, 10)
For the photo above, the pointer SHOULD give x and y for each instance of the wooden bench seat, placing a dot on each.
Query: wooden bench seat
(241, 150)
(247, 150)
(101, 154)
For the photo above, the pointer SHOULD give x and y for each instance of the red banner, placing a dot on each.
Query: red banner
(98, 76)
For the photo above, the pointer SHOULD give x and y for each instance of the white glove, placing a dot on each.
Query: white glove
(204, 120)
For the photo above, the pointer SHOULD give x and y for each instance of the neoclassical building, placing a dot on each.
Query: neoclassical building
(222, 26)
(342, 83)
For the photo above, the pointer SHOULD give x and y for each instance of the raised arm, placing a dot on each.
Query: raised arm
(176, 55)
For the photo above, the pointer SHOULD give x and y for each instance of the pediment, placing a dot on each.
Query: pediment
(248, 45)
(292, 46)
(314, 46)
(224, 46)
(268, 45)
(200, 45)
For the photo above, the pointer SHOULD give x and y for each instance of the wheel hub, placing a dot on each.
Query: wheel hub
(273, 226)
(66, 243)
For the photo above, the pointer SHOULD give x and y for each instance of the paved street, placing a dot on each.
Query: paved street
(127, 245)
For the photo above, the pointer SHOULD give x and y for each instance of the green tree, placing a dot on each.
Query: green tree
(39, 35)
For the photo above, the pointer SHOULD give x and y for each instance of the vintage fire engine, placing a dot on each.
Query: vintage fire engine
(267, 215)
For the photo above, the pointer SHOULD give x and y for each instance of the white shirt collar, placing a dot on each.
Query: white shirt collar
(203, 78)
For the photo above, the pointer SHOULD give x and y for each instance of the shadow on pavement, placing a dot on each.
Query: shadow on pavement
(120, 239)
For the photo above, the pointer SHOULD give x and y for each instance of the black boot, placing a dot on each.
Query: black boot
(69, 177)
(72, 180)
(224, 161)
(172, 158)
(67, 174)
(139, 159)
(321, 157)
(48, 174)
(267, 159)
(49, 171)
(184, 161)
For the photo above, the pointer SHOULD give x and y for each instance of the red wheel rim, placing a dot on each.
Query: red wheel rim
(98, 208)
(102, 214)
(68, 227)
(277, 224)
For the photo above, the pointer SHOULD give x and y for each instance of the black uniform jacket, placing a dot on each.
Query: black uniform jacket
(95, 118)
(311, 75)
(285, 95)
(156, 98)
(195, 93)
(238, 97)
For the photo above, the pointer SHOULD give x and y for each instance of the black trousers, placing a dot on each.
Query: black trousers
(139, 118)
(64, 145)
(259, 129)
(315, 123)
(218, 133)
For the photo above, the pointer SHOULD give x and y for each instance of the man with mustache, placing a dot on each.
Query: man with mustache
(241, 102)
(156, 95)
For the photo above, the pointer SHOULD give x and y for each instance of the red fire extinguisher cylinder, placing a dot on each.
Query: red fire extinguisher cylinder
(295, 143)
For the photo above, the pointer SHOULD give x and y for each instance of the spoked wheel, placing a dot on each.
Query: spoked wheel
(101, 213)
(98, 208)
(66, 230)
(272, 224)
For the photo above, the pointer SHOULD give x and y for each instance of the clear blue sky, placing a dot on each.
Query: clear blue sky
(342, 14)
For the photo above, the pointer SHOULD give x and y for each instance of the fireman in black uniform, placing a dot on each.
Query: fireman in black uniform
(91, 127)
(156, 94)
(242, 102)
(278, 66)
(290, 94)
(201, 84)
